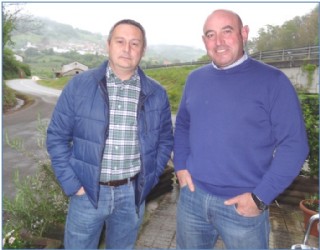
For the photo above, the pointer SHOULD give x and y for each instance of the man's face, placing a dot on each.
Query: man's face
(224, 38)
(125, 48)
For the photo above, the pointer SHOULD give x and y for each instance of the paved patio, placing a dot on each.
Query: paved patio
(159, 228)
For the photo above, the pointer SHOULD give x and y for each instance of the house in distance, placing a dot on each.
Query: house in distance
(71, 69)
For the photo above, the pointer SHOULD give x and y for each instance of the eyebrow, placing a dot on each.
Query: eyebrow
(224, 28)
(133, 39)
(208, 31)
(228, 27)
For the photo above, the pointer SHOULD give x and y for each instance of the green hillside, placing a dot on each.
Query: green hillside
(45, 33)
(173, 79)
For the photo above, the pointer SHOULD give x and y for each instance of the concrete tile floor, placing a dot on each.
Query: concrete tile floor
(158, 230)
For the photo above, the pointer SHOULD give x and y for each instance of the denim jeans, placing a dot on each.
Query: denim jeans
(202, 218)
(116, 209)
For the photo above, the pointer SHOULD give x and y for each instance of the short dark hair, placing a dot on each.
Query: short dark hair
(130, 22)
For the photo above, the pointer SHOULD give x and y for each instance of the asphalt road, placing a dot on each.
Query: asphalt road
(22, 124)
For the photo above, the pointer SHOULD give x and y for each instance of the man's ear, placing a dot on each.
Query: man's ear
(245, 33)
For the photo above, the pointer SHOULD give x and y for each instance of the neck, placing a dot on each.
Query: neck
(122, 73)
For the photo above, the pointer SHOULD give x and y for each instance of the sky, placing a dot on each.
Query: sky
(174, 23)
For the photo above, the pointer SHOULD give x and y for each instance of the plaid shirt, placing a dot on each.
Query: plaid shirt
(121, 158)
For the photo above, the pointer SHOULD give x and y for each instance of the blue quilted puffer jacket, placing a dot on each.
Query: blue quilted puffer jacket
(78, 131)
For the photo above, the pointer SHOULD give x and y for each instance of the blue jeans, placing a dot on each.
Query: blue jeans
(116, 209)
(202, 218)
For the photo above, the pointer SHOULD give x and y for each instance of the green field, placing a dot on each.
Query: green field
(172, 78)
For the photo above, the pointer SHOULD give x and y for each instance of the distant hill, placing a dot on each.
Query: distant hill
(44, 34)
(174, 53)
(50, 34)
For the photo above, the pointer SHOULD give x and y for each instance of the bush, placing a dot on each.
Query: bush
(13, 68)
(312, 202)
(310, 108)
(39, 202)
(9, 97)
(12, 240)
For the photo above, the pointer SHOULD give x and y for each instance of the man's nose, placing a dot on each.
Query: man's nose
(126, 47)
(220, 39)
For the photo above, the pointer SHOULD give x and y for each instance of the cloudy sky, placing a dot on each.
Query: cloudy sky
(178, 23)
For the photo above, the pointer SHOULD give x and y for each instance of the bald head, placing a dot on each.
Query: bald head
(224, 37)
(222, 13)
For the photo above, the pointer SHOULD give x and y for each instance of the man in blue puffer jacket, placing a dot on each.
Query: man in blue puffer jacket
(109, 139)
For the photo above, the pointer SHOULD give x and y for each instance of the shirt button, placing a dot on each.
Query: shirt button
(119, 106)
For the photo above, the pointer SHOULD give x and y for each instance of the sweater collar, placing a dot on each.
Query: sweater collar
(236, 63)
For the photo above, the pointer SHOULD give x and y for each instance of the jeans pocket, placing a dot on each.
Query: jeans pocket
(184, 186)
(80, 196)
(244, 216)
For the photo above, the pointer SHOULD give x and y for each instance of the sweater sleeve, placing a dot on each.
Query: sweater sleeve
(289, 131)
(181, 147)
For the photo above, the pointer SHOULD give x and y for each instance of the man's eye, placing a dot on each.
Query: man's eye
(210, 35)
(135, 44)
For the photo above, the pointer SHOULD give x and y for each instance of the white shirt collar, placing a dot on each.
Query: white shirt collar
(241, 60)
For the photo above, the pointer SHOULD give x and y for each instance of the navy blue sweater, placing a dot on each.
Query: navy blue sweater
(240, 130)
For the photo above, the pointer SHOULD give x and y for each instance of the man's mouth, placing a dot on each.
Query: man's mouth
(125, 57)
(221, 50)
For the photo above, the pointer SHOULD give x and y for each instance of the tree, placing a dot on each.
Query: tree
(10, 19)
(204, 58)
(13, 20)
(298, 32)
(309, 30)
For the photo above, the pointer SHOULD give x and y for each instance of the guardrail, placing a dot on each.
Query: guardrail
(288, 54)
(284, 55)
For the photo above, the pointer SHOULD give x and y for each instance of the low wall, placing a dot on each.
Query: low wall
(299, 79)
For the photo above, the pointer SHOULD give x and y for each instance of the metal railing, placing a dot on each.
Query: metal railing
(311, 52)
(284, 55)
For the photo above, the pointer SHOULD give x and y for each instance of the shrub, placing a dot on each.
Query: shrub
(13, 68)
(39, 202)
(312, 202)
(9, 97)
(310, 108)
(12, 240)
(309, 70)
